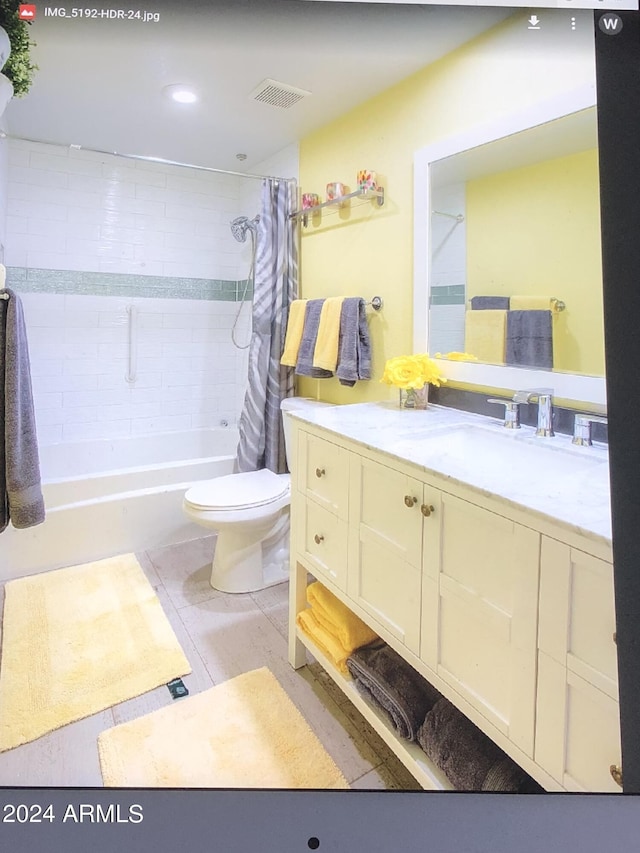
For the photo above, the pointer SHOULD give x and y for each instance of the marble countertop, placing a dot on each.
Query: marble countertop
(550, 477)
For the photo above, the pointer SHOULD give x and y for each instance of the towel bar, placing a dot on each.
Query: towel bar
(376, 303)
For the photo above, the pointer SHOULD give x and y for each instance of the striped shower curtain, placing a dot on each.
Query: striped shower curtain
(276, 286)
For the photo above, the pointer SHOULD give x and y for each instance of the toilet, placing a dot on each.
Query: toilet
(250, 512)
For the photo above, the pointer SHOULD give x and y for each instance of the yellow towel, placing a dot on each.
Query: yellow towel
(325, 354)
(293, 336)
(485, 334)
(531, 303)
(335, 617)
(326, 642)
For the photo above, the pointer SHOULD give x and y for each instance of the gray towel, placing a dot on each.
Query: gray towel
(530, 338)
(483, 303)
(382, 676)
(304, 364)
(354, 347)
(470, 760)
(23, 503)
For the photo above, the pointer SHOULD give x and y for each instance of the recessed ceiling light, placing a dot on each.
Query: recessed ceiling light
(180, 93)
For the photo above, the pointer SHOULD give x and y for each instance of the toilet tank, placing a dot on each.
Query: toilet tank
(290, 404)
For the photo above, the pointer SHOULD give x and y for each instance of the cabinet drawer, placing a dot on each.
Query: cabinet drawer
(322, 541)
(577, 614)
(577, 730)
(323, 473)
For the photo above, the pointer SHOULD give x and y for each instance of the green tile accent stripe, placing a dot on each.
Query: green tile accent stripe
(74, 282)
(448, 294)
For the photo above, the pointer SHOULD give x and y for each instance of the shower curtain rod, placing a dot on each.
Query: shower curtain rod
(159, 160)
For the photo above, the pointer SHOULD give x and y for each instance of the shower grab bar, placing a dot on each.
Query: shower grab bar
(132, 373)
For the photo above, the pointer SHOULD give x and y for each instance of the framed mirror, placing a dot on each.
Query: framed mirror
(507, 260)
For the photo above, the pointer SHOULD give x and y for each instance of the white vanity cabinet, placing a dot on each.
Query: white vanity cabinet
(577, 728)
(512, 624)
(480, 612)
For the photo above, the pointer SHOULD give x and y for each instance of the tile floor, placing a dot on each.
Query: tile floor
(222, 636)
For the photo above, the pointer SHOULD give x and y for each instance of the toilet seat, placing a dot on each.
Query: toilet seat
(238, 491)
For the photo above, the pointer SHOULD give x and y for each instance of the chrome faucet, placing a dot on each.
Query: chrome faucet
(511, 412)
(582, 429)
(545, 409)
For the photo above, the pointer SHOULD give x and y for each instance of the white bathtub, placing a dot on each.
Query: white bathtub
(112, 497)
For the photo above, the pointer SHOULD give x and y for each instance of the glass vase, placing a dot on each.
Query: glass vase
(414, 398)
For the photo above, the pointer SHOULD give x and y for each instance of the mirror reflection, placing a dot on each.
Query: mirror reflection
(515, 266)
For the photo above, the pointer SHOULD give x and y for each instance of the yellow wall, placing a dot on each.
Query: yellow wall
(369, 251)
(536, 230)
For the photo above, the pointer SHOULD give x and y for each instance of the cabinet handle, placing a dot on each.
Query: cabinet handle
(318, 539)
(427, 509)
(409, 501)
(616, 774)
(319, 472)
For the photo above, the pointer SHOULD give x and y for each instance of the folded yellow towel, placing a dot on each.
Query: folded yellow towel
(531, 303)
(326, 642)
(485, 334)
(293, 336)
(325, 354)
(335, 617)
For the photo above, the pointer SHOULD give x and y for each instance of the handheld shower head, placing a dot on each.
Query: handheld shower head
(242, 225)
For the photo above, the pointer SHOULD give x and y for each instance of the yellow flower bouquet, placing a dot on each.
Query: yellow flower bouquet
(412, 374)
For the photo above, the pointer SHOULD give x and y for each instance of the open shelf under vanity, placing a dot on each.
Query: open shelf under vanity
(414, 759)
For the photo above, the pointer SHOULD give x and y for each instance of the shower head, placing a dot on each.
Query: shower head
(241, 225)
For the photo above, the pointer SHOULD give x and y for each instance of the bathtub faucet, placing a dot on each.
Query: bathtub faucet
(545, 409)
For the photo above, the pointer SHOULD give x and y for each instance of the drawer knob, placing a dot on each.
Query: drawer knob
(616, 774)
(410, 501)
(427, 509)
(318, 539)
(319, 472)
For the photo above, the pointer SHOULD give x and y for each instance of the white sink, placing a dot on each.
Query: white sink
(506, 447)
(494, 457)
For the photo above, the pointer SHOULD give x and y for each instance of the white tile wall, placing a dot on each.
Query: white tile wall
(448, 267)
(189, 373)
(4, 180)
(70, 209)
(77, 210)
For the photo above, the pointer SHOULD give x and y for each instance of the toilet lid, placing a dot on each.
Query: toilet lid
(255, 488)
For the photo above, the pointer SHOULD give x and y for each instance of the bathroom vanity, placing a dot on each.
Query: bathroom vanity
(483, 557)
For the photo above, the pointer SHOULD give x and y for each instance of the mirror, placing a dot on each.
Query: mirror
(507, 251)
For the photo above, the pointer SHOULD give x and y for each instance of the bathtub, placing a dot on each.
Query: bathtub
(111, 497)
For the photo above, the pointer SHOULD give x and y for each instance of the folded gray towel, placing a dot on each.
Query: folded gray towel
(23, 503)
(354, 347)
(483, 303)
(304, 363)
(470, 760)
(530, 338)
(392, 684)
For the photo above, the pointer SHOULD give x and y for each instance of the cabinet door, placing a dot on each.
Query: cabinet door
(385, 548)
(577, 730)
(321, 539)
(577, 614)
(484, 640)
(323, 473)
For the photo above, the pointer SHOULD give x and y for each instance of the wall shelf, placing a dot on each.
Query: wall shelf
(364, 194)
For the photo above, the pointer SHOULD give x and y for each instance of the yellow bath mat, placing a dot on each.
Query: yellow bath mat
(78, 640)
(244, 733)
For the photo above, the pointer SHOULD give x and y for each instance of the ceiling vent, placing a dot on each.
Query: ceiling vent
(278, 94)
